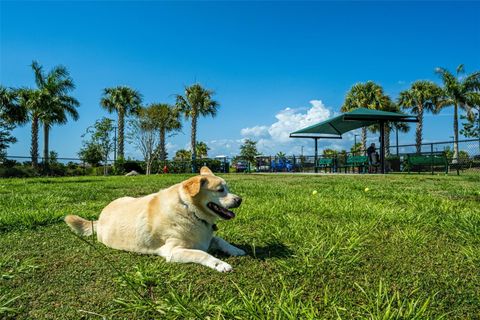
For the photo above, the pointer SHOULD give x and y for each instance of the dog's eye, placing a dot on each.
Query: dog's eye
(221, 190)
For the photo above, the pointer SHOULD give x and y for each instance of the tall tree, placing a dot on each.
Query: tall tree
(399, 127)
(11, 114)
(91, 153)
(248, 150)
(471, 128)
(281, 155)
(421, 97)
(144, 135)
(389, 106)
(6, 138)
(10, 109)
(356, 148)
(100, 139)
(329, 152)
(124, 101)
(167, 120)
(31, 101)
(365, 95)
(183, 155)
(201, 149)
(196, 102)
(460, 91)
(57, 104)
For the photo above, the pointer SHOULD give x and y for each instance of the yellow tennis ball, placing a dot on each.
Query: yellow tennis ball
(314, 192)
(366, 189)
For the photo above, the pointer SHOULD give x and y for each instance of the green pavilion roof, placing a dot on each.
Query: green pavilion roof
(334, 128)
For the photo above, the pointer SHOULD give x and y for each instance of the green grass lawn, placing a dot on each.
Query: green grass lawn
(408, 248)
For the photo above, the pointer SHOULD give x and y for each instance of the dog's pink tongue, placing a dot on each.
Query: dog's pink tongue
(229, 214)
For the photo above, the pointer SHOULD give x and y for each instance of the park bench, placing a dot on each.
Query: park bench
(326, 163)
(462, 164)
(360, 162)
(431, 160)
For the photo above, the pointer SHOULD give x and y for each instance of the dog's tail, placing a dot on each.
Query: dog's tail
(81, 226)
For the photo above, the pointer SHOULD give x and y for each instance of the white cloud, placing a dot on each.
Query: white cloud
(290, 120)
(257, 131)
(171, 149)
(276, 137)
(228, 147)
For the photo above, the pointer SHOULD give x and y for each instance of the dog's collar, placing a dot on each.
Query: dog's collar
(214, 226)
(205, 222)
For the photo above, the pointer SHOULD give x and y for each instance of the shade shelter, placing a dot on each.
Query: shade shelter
(358, 118)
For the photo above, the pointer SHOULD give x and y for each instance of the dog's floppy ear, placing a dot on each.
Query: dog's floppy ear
(205, 171)
(193, 185)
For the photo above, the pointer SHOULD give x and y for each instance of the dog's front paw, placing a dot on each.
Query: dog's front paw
(237, 252)
(221, 266)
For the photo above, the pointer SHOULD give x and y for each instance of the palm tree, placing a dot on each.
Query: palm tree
(183, 155)
(57, 105)
(124, 101)
(10, 109)
(196, 102)
(389, 126)
(399, 127)
(328, 152)
(201, 149)
(365, 95)
(167, 119)
(281, 155)
(11, 113)
(422, 96)
(31, 101)
(460, 91)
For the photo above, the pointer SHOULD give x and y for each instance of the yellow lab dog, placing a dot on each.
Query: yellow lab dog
(176, 223)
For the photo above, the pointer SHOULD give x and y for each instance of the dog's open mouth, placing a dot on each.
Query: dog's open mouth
(221, 211)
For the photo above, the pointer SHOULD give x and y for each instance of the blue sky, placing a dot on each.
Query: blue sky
(273, 65)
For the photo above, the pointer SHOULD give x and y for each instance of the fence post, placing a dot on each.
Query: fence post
(397, 139)
(431, 156)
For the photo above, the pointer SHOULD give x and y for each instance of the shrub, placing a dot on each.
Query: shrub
(18, 172)
(75, 171)
(9, 163)
(91, 153)
(125, 166)
(177, 166)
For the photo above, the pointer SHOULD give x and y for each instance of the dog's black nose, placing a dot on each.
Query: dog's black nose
(238, 201)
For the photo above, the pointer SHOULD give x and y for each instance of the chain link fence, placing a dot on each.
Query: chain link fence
(433, 157)
(465, 157)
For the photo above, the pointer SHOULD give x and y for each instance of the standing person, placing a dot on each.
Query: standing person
(371, 157)
(376, 162)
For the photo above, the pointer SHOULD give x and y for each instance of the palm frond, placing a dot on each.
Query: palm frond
(38, 73)
(472, 82)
